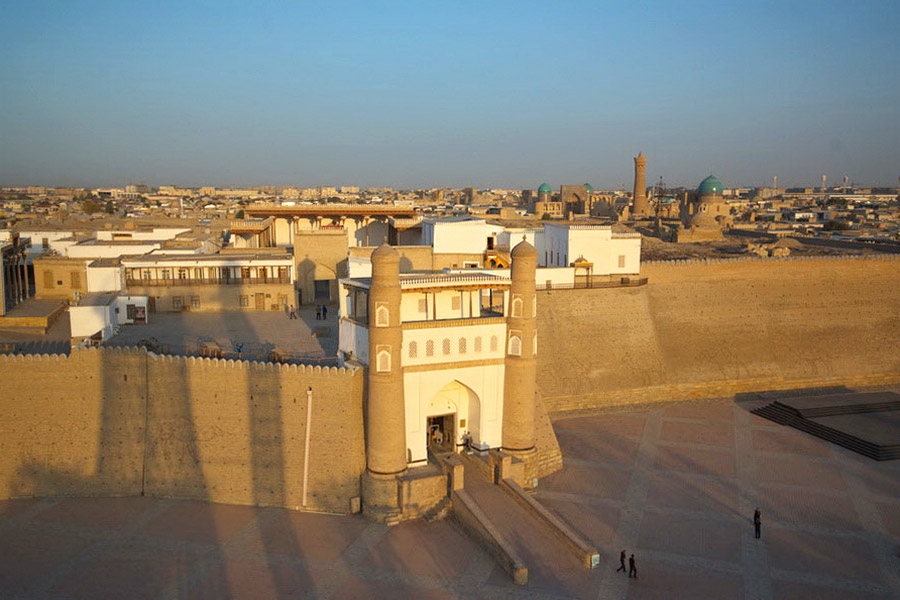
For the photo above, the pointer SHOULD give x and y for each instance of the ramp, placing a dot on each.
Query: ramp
(525, 538)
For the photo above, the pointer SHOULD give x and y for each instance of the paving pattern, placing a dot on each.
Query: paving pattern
(676, 485)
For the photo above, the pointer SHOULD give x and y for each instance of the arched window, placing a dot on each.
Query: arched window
(517, 306)
(478, 345)
(429, 348)
(493, 343)
(534, 306)
(384, 361)
(446, 346)
(382, 316)
(535, 343)
(413, 349)
(462, 345)
(515, 345)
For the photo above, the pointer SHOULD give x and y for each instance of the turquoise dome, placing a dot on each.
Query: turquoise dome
(589, 188)
(710, 185)
(545, 189)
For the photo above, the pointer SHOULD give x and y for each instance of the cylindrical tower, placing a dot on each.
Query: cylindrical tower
(385, 414)
(640, 205)
(521, 351)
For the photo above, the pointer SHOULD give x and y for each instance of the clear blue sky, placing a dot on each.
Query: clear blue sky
(430, 93)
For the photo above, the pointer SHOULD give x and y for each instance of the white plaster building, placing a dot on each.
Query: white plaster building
(454, 332)
(610, 253)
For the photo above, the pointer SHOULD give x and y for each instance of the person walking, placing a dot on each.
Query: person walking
(318, 313)
(632, 570)
(621, 562)
(757, 523)
(324, 313)
(292, 314)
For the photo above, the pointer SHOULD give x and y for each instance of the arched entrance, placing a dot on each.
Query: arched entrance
(451, 416)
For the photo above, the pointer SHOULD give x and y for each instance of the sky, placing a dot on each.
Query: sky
(453, 93)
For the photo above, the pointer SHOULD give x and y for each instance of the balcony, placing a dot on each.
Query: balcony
(131, 282)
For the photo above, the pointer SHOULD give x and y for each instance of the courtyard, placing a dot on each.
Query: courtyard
(674, 484)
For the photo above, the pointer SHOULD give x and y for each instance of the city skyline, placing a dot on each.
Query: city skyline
(501, 96)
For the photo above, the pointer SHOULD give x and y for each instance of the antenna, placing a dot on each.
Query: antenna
(774, 181)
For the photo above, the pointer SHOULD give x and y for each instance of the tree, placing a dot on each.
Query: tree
(110, 207)
(90, 206)
(239, 214)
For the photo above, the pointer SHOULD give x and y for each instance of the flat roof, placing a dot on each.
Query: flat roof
(415, 281)
(164, 258)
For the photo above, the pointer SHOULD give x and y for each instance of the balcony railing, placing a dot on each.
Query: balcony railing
(130, 281)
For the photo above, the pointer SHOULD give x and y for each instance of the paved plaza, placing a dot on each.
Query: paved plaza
(676, 485)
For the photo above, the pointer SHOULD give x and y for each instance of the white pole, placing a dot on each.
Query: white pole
(306, 442)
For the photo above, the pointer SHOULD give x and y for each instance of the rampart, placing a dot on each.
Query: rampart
(714, 328)
(126, 422)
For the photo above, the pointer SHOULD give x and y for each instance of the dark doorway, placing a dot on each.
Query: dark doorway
(441, 433)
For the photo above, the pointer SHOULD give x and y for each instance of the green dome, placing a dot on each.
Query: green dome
(545, 189)
(710, 185)
(589, 188)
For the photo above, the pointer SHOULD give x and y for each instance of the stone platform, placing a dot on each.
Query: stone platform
(868, 423)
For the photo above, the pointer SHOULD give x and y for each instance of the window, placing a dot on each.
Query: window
(445, 346)
(245, 272)
(145, 274)
(423, 305)
(75, 280)
(517, 306)
(429, 348)
(478, 345)
(177, 302)
(282, 300)
(413, 350)
(383, 361)
(621, 261)
(130, 311)
(45, 243)
(515, 345)
(493, 343)
(195, 301)
(534, 305)
(166, 274)
(245, 301)
(534, 348)
(455, 303)
(182, 273)
(382, 315)
(462, 345)
(48, 279)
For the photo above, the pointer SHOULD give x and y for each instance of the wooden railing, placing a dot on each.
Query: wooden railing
(136, 282)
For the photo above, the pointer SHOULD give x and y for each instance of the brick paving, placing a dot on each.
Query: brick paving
(676, 485)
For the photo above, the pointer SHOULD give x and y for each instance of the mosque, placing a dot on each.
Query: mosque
(450, 365)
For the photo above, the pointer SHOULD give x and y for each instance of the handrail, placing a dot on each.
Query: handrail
(137, 282)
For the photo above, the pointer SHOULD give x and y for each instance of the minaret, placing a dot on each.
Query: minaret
(640, 205)
(385, 414)
(521, 350)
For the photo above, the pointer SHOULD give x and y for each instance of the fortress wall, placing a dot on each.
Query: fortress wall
(72, 424)
(717, 328)
(125, 422)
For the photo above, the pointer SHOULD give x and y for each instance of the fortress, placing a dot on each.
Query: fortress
(128, 422)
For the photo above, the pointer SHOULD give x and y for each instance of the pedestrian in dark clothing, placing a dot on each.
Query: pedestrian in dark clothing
(757, 523)
(632, 570)
(324, 313)
(318, 313)
(621, 562)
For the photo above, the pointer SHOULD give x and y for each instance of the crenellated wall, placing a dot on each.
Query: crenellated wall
(125, 422)
(714, 328)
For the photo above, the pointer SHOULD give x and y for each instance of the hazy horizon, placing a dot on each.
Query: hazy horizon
(411, 95)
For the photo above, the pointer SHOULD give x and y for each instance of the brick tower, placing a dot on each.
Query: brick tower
(385, 414)
(640, 207)
(521, 350)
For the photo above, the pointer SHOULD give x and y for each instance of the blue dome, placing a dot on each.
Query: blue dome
(710, 186)
(545, 189)
(589, 188)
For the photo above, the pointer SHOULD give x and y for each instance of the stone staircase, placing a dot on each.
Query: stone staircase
(802, 419)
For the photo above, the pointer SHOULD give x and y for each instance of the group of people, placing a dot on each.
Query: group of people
(321, 312)
(632, 569)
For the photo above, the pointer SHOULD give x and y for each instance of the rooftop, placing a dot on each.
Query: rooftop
(414, 281)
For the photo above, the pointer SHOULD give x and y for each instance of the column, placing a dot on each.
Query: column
(386, 412)
(521, 350)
